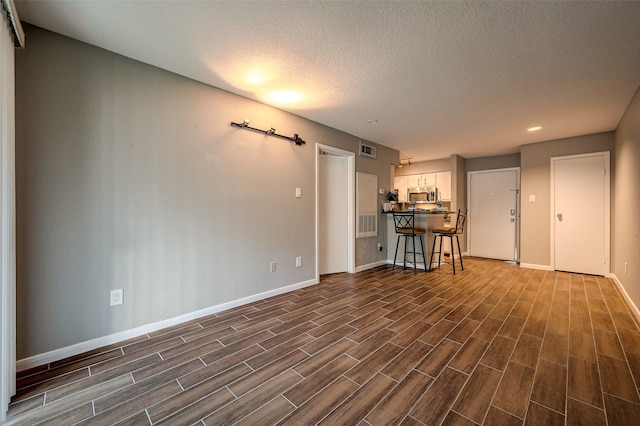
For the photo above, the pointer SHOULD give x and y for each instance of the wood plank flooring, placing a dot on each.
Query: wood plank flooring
(494, 345)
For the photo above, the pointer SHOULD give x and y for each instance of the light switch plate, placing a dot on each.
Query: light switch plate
(117, 297)
(298, 192)
(532, 198)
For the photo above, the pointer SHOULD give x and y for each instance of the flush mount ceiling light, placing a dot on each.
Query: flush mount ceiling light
(256, 77)
(534, 129)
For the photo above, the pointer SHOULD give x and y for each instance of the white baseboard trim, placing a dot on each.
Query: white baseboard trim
(371, 265)
(456, 257)
(78, 348)
(634, 308)
(534, 266)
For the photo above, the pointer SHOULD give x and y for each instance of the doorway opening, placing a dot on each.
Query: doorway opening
(494, 214)
(335, 210)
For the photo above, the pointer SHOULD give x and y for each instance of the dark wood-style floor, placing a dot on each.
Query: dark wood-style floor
(495, 345)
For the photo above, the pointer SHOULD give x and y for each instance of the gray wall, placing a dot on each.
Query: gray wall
(626, 213)
(430, 166)
(493, 162)
(131, 177)
(459, 190)
(535, 170)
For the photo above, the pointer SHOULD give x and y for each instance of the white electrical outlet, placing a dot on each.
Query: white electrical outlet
(298, 261)
(273, 266)
(379, 246)
(117, 297)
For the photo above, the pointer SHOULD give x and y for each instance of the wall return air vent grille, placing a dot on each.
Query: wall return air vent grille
(367, 225)
(367, 150)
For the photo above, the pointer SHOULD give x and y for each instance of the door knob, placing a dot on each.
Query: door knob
(560, 217)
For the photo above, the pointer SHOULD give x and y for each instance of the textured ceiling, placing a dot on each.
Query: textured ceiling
(440, 78)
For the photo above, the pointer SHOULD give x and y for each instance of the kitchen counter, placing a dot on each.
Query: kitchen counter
(419, 211)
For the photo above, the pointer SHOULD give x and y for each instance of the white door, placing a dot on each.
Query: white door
(333, 215)
(493, 213)
(580, 213)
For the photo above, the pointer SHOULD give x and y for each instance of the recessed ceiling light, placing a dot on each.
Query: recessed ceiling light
(534, 129)
(373, 121)
(285, 97)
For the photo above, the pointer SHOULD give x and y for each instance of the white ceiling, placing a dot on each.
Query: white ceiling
(440, 78)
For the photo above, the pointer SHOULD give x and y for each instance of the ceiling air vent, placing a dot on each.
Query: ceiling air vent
(367, 150)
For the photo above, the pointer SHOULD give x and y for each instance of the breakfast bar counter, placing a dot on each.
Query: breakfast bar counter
(425, 219)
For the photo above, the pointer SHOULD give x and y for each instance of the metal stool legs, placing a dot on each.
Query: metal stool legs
(459, 252)
(453, 258)
(433, 251)
(448, 232)
(413, 251)
(395, 256)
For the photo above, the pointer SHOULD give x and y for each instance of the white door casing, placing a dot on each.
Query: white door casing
(7, 221)
(580, 213)
(335, 210)
(494, 213)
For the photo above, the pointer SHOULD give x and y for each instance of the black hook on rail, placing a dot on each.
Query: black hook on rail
(271, 132)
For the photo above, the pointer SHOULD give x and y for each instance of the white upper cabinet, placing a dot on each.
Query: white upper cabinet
(414, 181)
(400, 183)
(441, 179)
(429, 179)
(443, 182)
(426, 179)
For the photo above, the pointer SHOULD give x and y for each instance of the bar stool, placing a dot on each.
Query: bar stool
(405, 227)
(450, 233)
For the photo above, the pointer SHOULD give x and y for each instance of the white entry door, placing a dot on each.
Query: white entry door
(580, 206)
(493, 213)
(333, 215)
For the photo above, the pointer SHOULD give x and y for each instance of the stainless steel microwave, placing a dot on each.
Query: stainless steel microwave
(422, 195)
